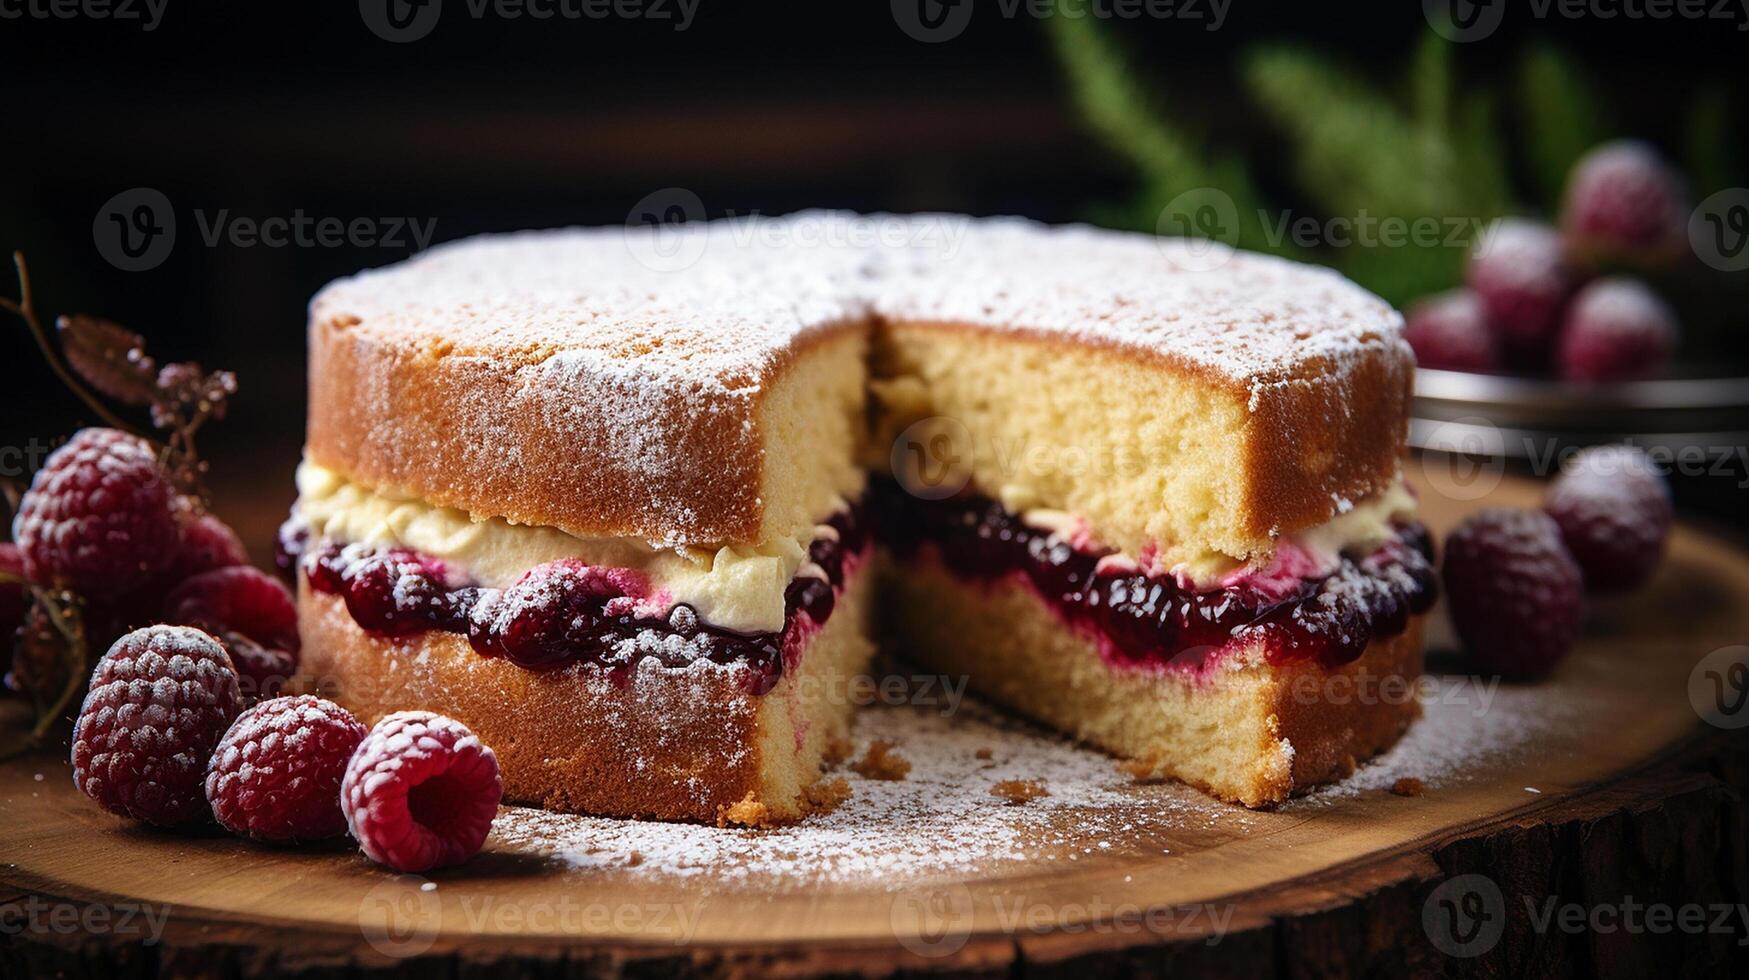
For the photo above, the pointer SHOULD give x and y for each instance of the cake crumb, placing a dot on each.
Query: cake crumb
(837, 750)
(749, 812)
(1407, 786)
(1142, 770)
(634, 859)
(826, 795)
(880, 762)
(1019, 791)
(984, 753)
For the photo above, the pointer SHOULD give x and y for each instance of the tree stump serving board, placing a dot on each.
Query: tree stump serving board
(1600, 788)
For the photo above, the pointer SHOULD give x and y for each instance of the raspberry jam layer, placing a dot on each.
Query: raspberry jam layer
(1154, 620)
(566, 612)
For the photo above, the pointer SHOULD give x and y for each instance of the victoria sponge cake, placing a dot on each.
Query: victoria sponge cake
(636, 504)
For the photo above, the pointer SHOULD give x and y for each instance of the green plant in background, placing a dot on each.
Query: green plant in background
(1424, 154)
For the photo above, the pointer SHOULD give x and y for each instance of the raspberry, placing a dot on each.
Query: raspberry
(420, 792)
(1514, 590)
(276, 773)
(1520, 273)
(1451, 332)
(289, 546)
(1614, 511)
(160, 699)
(1624, 202)
(242, 598)
(262, 671)
(554, 615)
(1616, 330)
(396, 593)
(207, 543)
(100, 516)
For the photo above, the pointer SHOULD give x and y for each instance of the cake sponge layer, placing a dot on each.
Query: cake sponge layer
(1243, 730)
(665, 743)
(581, 380)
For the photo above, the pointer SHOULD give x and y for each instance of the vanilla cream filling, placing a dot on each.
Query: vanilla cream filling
(737, 587)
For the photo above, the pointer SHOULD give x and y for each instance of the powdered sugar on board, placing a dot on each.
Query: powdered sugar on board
(943, 819)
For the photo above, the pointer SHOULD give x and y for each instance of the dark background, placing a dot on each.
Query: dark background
(497, 124)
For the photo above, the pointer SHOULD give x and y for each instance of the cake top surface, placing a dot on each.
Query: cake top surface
(714, 306)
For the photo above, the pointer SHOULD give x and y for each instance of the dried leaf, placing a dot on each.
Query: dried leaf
(110, 357)
(41, 663)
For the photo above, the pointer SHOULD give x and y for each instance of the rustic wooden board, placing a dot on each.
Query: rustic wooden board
(1637, 797)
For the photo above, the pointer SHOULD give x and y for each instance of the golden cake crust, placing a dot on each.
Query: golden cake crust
(564, 379)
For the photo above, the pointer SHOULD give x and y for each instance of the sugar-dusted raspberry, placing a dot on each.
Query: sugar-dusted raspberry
(1624, 202)
(262, 671)
(420, 792)
(556, 614)
(289, 545)
(1451, 332)
(276, 773)
(1514, 590)
(242, 598)
(1616, 330)
(395, 592)
(1520, 272)
(160, 699)
(207, 543)
(1614, 510)
(100, 517)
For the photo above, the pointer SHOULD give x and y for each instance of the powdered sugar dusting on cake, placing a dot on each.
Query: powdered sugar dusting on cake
(943, 820)
(591, 303)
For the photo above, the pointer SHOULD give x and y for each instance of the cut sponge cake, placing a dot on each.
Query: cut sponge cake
(586, 493)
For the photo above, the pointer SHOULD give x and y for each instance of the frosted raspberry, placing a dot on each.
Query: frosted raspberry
(207, 543)
(1616, 330)
(1614, 511)
(159, 701)
(1624, 202)
(1520, 273)
(396, 593)
(242, 598)
(556, 614)
(262, 671)
(1514, 591)
(420, 792)
(99, 517)
(1451, 332)
(276, 773)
